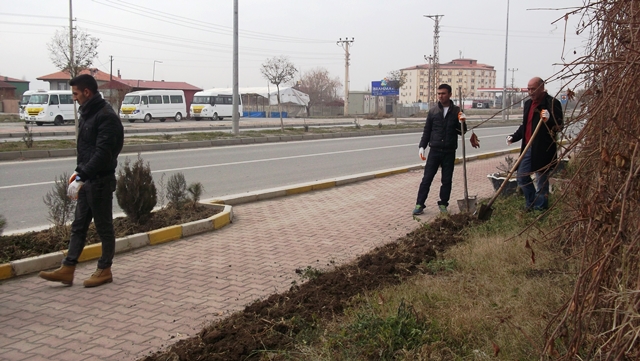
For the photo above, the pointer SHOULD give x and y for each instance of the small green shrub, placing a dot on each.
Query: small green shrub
(195, 189)
(135, 190)
(176, 190)
(60, 206)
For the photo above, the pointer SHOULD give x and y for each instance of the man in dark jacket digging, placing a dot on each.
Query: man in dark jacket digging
(441, 130)
(100, 140)
(541, 156)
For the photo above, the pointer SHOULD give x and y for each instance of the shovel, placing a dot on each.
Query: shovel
(484, 214)
(467, 204)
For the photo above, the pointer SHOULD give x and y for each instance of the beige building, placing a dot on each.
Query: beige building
(466, 73)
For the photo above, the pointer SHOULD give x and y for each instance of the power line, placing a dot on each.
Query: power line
(170, 18)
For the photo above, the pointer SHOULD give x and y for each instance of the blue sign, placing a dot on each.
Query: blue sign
(383, 88)
(563, 99)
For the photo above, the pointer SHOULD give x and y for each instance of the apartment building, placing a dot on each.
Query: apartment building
(467, 73)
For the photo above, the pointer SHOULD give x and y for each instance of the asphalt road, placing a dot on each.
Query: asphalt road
(231, 170)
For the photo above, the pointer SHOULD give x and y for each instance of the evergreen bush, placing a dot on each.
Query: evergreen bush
(136, 191)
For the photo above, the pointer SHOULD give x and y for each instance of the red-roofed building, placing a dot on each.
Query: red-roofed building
(19, 86)
(60, 80)
(115, 90)
(465, 73)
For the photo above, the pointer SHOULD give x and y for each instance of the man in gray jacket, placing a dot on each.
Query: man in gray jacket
(100, 140)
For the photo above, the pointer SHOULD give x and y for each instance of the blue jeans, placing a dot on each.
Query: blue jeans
(435, 160)
(536, 197)
(95, 201)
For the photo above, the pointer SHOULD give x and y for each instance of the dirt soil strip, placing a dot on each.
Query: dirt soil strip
(273, 323)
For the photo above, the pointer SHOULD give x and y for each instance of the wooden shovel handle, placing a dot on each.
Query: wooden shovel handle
(515, 166)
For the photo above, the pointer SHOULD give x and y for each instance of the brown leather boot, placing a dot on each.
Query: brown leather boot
(63, 274)
(99, 277)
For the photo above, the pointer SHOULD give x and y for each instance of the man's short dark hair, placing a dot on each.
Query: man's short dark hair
(445, 86)
(85, 81)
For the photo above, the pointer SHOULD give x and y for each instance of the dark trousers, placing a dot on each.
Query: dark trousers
(95, 201)
(437, 159)
(536, 196)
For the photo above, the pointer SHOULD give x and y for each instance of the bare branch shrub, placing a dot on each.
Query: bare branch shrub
(135, 191)
(601, 319)
(3, 223)
(162, 192)
(27, 137)
(60, 206)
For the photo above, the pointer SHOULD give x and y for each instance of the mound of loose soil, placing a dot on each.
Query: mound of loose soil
(273, 323)
(31, 244)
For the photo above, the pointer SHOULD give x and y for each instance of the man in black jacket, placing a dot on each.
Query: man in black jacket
(444, 124)
(541, 156)
(100, 140)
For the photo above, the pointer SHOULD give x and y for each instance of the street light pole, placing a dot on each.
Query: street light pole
(504, 89)
(154, 69)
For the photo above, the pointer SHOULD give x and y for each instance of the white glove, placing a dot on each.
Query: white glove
(462, 117)
(421, 154)
(509, 139)
(74, 188)
(73, 177)
(544, 115)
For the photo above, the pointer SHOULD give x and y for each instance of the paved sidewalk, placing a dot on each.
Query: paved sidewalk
(164, 293)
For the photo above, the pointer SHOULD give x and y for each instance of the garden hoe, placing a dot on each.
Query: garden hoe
(467, 204)
(484, 214)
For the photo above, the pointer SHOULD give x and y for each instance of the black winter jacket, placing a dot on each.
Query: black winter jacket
(100, 139)
(440, 132)
(543, 148)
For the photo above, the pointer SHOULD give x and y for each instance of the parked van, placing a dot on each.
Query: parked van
(23, 102)
(148, 104)
(213, 104)
(52, 106)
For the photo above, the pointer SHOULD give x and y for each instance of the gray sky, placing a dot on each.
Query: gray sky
(193, 38)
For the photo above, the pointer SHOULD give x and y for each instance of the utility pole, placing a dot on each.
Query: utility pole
(345, 45)
(429, 59)
(72, 67)
(436, 55)
(504, 89)
(235, 119)
(110, 67)
(512, 70)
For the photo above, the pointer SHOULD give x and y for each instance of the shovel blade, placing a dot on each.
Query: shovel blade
(484, 214)
(467, 205)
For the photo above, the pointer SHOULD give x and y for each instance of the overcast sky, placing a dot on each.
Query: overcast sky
(193, 38)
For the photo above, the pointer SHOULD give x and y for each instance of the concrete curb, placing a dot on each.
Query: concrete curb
(125, 244)
(255, 196)
(135, 148)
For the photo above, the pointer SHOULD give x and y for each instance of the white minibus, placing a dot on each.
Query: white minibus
(52, 106)
(213, 104)
(148, 104)
(24, 100)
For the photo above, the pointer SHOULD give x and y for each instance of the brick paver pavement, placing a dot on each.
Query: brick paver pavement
(164, 293)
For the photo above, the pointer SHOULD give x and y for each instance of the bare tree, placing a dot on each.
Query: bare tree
(319, 85)
(85, 50)
(278, 70)
(396, 79)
